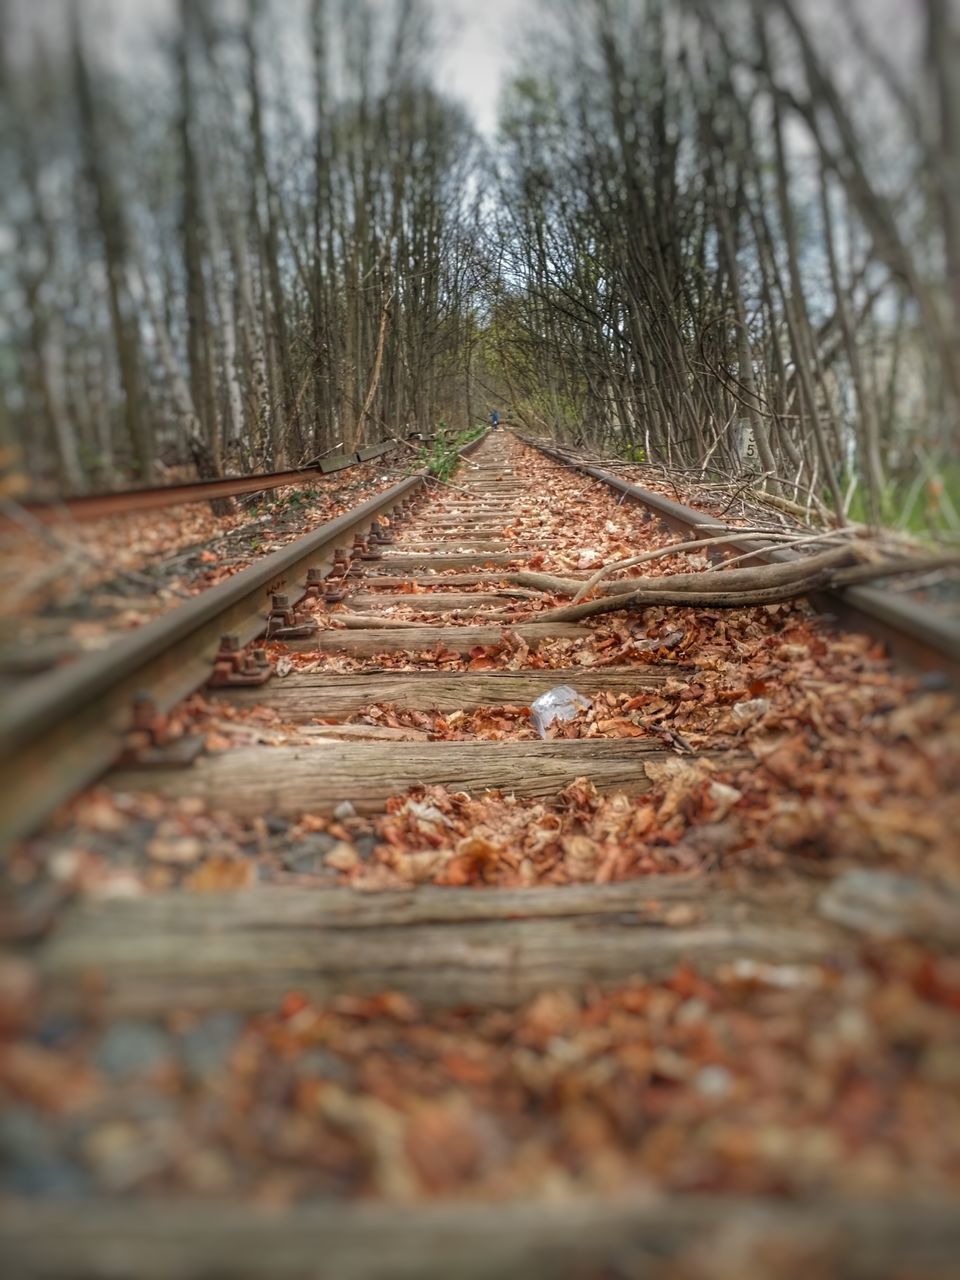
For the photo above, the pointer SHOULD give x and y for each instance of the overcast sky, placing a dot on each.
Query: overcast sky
(477, 39)
(481, 39)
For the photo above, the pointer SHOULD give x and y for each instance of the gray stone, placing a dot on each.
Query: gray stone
(30, 1163)
(56, 1030)
(130, 1047)
(58, 1178)
(365, 846)
(23, 1136)
(206, 1047)
(306, 857)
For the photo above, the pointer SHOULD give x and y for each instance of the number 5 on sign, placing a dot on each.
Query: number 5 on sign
(748, 445)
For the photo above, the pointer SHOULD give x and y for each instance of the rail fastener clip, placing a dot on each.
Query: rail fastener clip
(236, 667)
(285, 623)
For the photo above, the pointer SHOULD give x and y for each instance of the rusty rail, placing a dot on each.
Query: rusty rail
(61, 731)
(97, 506)
(918, 639)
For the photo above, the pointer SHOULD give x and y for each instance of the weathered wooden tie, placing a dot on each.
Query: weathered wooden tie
(443, 947)
(468, 560)
(290, 781)
(432, 601)
(417, 639)
(305, 697)
(631, 1235)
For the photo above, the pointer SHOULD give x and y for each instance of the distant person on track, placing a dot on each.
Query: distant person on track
(494, 417)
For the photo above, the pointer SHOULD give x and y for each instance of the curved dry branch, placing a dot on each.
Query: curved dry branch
(746, 588)
(681, 548)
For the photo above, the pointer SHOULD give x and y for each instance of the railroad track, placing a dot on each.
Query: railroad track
(910, 631)
(79, 574)
(99, 506)
(611, 1001)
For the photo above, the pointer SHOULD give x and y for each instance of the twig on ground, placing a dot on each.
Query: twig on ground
(681, 548)
(745, 588)
(789, 540)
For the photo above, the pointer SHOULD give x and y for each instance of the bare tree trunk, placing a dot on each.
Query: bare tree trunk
(796, 310)
(113, 240)
(943, 44)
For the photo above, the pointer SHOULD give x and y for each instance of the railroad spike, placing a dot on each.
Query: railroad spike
(314, 589)
(374, 540)
(235, 667)
(341, 563)
(285, 623)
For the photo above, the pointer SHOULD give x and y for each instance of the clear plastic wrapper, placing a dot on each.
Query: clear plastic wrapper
(559, 703)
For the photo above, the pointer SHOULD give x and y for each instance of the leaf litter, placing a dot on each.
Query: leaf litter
(779, 1080)
(769, 1079)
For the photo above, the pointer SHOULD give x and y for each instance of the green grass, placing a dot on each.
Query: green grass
(440, 457)
(926, 503)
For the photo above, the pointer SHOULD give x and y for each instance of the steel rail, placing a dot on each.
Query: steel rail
(97, 506)
(61, 731)
(918, 639)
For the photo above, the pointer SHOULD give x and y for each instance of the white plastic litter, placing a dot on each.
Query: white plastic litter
(559, 703)
(747, 712)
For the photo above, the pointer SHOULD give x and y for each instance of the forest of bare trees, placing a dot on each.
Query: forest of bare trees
(238, 257)
(732, 241)
(716, 236)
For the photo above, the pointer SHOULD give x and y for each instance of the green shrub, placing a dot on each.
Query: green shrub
(440, 457)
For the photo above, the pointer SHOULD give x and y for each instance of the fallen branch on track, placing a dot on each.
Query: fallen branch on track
(681, 548)
(740, 588)
(545, 582)
(893, 568)
(841, 536)
(739, 580)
